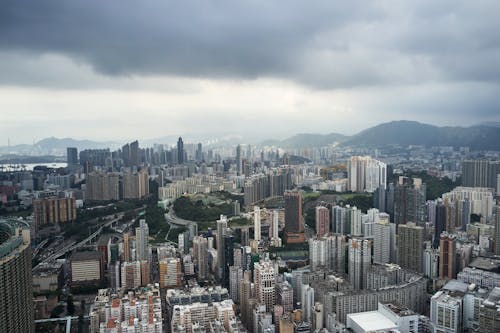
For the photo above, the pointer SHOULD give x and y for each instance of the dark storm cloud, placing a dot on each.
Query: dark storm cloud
(323, 44)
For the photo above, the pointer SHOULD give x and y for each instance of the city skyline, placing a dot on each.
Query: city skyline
(328, 67)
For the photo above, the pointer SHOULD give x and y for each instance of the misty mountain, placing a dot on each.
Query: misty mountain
(306, 140)
(404, 133)
(54, 146)
(414, 133)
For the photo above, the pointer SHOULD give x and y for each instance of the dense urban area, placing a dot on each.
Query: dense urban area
(260, 238)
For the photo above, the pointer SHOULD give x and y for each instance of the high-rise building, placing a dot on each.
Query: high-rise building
(180, 151)
(102, 187)
(365, 174)
(274, 229)
(447, 311)
(497, 230)
(16, 287)
(142, 240)
(360, 255)
(200, 248)
(135, 185)
(126, 246)
(284, 296)
(221, 231)
(54, 210)
(239, 161)
(447, 249)
(72, 157)
(199, 153)
(409, 201)
(256, 223)
(294, 228)
(382, 242)
(441, 217)
(170, 273)
(480, 173)
(411, 247)
(264, 279)
(322, 221)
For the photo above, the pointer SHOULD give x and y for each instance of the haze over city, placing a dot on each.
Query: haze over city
(147, 69)
(249, 166)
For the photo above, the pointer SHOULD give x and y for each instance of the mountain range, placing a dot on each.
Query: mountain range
(404, 133)
(478, 137)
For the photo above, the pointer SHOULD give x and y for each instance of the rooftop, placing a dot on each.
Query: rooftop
(371, 321)
(85, 255)
(486, 264)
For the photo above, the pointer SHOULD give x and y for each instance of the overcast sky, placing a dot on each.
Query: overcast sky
(113, 70)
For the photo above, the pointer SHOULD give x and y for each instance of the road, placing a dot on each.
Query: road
(73, 246)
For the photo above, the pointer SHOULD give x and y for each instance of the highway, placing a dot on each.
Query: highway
(73, 246)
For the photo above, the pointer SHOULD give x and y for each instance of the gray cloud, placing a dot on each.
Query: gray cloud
(325, 44)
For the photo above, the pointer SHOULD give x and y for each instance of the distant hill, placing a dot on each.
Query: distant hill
(306, 140)
(404, 133)
(414, 133)
(54, 146)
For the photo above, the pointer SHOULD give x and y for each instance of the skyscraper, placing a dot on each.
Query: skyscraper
(497, 229)
(382, 242)
(274, 230)
(199, 153)
(200, 248)
(365, 174)
(239, 162)
(72, 156)
(447, 249)
(221, 231)
(264, 279)
(322, 221)
(409, 201)
(411, 247)
(294, 229)
(142, 241)
(480, 173)
(256, 223)
(360, 255)
(16, 287)
(180, 151)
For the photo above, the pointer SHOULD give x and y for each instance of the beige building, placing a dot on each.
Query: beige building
(170, 273)
(135, 185)
(102, 187)
(86, 267)
(54, 210)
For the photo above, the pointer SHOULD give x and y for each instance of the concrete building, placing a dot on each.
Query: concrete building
(54, 210)
(365, 174)
(142, 240)
(133, 311)
(382, 242)
(102, 187)
(447, 253)
(16, 288)
(257, 223)
(389, 317)
(135, 185)
(360, 256)
(264, 279)
(294, 227)
(411, 247)
(86, 267)
(170, 273)
(322, 221)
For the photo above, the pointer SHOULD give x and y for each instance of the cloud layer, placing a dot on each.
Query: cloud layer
(425, 60)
